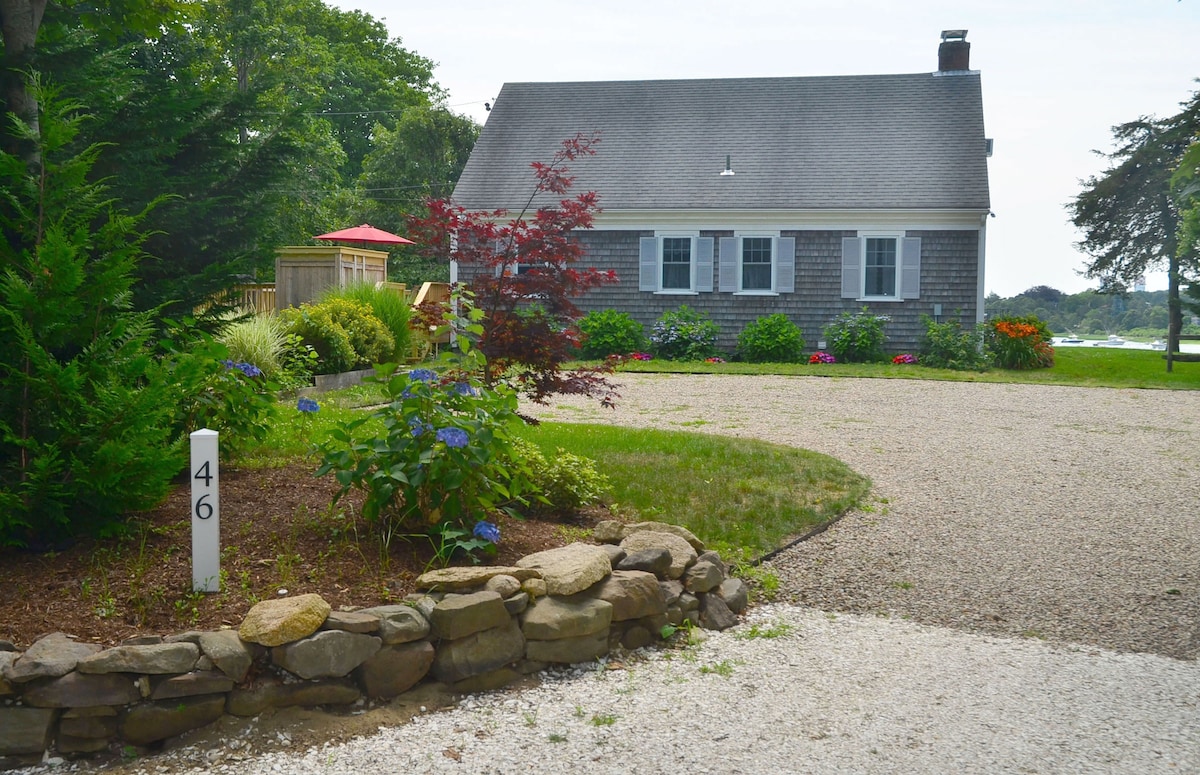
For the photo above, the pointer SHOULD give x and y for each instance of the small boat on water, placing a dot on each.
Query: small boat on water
(1158, 344)
(1072, 339)
(1112, 341)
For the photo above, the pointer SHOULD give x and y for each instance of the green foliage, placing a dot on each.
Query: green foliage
(390, 307)
(233, 398)
(684, 334)
(86, 409)
(609, 332)
(771, 339)
(566, 482)
(948, 346)
(857, 337)
(1019, 343)
(439, 451)
(345, 334)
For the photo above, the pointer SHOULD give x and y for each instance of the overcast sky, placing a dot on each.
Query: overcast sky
(1057, 75)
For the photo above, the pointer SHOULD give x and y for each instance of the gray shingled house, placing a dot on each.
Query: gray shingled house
(750, 196)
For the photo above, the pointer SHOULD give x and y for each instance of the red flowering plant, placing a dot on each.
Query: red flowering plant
(524, 273)
(821, 357)
(1019, 343)
(903, 358)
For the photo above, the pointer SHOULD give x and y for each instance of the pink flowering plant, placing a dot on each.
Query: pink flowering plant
(903, 358)
(444, 462)
(821, 357)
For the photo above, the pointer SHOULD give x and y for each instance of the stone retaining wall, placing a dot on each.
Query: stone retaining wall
(471, 629)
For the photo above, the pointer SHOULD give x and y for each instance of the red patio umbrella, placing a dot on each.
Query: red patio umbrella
(366, 233)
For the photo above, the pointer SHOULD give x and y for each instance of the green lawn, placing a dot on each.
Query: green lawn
(735, 493)
(1079, 366)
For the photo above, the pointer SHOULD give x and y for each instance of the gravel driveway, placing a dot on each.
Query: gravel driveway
(1022, 595)
(1070, 514)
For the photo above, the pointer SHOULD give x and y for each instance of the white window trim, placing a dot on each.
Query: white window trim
(694, 236)
(774, 237)
(898, 237)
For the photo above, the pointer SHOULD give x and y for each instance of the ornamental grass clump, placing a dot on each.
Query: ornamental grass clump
(1019, 343)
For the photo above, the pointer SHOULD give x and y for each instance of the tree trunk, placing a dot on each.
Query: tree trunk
(19, 23)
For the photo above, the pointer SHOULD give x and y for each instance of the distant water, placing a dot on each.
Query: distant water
(1187, 347)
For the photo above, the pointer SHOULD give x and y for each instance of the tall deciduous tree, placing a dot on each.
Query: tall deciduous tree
(1129, 218)
(524, 274)
(420, 159)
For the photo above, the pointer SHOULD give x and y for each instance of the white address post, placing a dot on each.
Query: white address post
(206, 512)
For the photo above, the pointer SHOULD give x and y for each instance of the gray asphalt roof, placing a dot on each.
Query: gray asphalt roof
(869, 141)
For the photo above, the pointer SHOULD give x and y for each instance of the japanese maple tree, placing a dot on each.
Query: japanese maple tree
(524, 273)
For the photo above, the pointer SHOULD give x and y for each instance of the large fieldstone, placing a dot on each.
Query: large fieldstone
(735, 593)
(400, 623)
(50, 657)
(568, 651)
(394, 670)
(477, 654)
(275, 622)
(155, 659)
(682, 553)
(554, 618)
(656, 561)
(702, 576)
(76, 690)
(613, 532)
(351, 621)
(462, 579)
(714, 614)
(25, 730)
(228, 652)
(458, 616)
(307, 694)
(326, 654)
(633, 595)
(100, 722)
(569, 569)
(149, 722)
(191, 685)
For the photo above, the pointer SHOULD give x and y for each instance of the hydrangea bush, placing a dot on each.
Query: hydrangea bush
(444, 460)
(684, 334)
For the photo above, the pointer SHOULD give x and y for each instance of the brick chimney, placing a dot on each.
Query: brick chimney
(955, 52)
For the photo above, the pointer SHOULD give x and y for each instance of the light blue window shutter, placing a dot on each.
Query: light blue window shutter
(910, 268)
(729, 265)
(648, 264)
(785, 265)
(704, 264)
(851, 268)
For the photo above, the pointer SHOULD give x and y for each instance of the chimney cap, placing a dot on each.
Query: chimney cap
(954, 34)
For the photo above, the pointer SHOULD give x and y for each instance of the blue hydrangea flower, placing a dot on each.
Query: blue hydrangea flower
(422, 375)
(487, 531)
(464, 389)
(249, 369)
(307, 405)
(455, 438)
(419, 426)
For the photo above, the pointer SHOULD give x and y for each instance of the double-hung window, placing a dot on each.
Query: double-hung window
(879, 266)
(757, 264)
(676, 263)
(758, 254)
